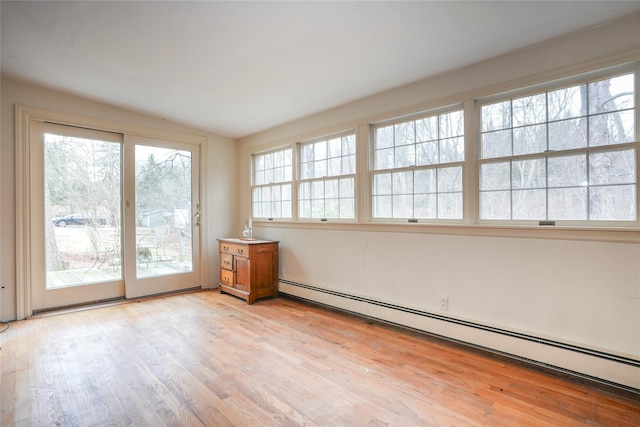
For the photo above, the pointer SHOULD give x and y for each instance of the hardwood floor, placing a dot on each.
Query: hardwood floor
(209, 359)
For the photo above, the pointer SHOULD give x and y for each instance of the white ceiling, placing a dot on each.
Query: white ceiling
(237, 68)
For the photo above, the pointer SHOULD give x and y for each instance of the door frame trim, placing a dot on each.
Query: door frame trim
(23, 117)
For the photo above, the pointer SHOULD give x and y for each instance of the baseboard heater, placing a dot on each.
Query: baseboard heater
(478, 326)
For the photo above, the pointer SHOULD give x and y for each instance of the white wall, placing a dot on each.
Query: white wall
(577, 288)
(219, 157)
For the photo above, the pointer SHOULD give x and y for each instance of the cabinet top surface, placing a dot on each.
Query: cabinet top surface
(246, 241)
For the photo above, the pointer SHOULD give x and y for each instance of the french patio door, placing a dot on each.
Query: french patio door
(111, 216)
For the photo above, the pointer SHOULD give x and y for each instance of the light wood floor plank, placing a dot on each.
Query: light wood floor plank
(205, 359)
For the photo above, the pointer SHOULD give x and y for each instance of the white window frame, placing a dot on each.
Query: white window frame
(437, 167)
(545, 88)
(323, 177)
(274, 183)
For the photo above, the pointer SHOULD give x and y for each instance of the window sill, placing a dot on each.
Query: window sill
(609, 234)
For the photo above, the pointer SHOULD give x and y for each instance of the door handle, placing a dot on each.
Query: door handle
(197, 214)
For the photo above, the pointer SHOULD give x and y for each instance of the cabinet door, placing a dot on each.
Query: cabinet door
(243, 273)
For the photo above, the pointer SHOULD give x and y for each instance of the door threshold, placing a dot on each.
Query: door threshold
(105, 303)
(76, 307)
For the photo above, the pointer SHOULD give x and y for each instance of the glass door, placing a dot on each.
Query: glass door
(111, 216)
(164, 218)
(76, 215)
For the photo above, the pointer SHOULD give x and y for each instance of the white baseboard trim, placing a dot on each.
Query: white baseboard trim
(593, 365)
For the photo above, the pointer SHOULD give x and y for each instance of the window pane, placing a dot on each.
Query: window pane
(256, 199)
(335, 147)
(450, 179)
(452, 150)
(405, 133)
(612, 167)
(335, 166)
(384, 159)
(304, 208)
(320, 168)
(286, 192)
(567, 171)
(612, 94)
(451, 124)
(567, 103)
(268, 161)
(530, 204)
(427, 129)
(530, 139)
(332, 208)
(286, 209)
(427, 153)
(304, 190)
(306, 153)
(348, 145)
(425, 206)
(450, 205)
(384, 137)
(278, 174)
(405, 156)
(266, 194)
(496, 116)
(425, 181)
(347, 188)
(402, 182)
(317, 189)
(496, 144)
(568, 134)
(258, 178)
(317, 208)
(347, 208)
(382, 206)
(495, 176)
(529, 174)
(320, 150)
(616, 202)
(268, 176)
(278, 159)
(306, 170)
(259, 163)
(382, 184)
(568, 203)
(349, 165)
(495, 205)
(614, 128)
(529, 110)
(331, 188)
(403, 206)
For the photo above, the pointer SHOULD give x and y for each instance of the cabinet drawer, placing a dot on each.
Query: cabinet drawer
(226, 277)
(230, 248)
(226, 261)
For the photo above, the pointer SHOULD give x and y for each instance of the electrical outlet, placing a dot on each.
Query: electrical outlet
(444, 303)
(282, 270)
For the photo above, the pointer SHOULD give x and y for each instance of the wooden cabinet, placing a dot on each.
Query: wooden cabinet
(249, 268)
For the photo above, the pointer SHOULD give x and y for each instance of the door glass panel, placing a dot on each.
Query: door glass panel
(163, 211)
(82, 210)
